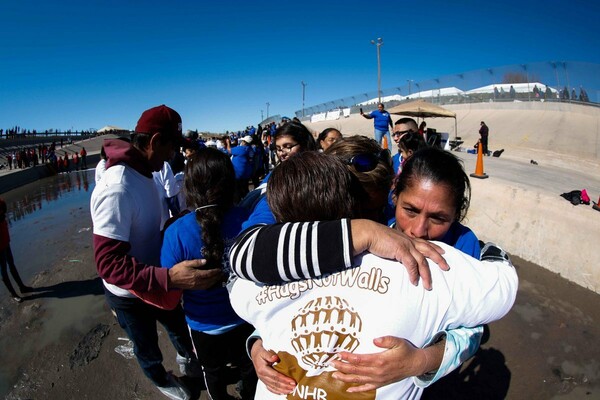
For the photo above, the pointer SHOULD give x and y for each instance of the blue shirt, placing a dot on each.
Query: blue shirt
(261, 215)
(396, 163)
(205, 310)
(382, 120)
(242, 159)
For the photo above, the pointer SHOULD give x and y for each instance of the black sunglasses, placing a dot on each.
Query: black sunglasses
(366, 162)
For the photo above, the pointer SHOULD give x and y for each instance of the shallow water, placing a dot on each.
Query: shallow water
(36, 213)
(37, 216)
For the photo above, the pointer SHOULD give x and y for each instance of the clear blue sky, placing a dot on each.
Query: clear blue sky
(86, 64)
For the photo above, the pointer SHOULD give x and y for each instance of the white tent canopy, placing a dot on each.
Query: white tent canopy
(448, 91)
(110, 128)
(519, 88)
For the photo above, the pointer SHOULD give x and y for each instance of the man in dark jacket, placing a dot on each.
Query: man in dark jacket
(484, 132)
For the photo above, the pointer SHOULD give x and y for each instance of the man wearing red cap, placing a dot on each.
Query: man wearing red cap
(126, 213)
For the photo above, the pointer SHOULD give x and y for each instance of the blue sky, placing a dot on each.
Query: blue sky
(86, 64)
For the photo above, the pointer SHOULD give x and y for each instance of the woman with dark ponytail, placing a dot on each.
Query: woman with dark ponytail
(208, 232)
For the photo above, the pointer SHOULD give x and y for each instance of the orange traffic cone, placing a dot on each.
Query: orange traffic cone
(384, 143)
(596, 206)
(479, 166)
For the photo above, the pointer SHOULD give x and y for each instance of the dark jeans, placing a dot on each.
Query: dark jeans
(215, 351)
(6, 257)
(139, 319)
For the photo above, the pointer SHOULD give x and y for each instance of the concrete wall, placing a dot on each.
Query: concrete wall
(539, 227)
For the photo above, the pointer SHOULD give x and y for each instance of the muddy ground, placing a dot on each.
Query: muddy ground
(546, 348)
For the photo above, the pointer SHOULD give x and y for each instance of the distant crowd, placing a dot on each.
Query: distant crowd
(32, 156)
(18, 132)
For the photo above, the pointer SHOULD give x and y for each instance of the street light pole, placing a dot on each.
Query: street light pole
(527, 76)
(493, 83)
(303, 91)
(568, 82)
(410, 81)
(556, 72)
(378, 43)
(268, 104)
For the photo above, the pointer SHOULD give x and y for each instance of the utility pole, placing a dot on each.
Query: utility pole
(303, 92)
(378, 43)
(556, 73)
(527, 76)
(568, 82)
(493, 82)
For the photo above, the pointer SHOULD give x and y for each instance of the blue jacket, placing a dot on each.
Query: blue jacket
(242, 158)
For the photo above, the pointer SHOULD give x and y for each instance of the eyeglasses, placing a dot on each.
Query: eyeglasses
(368, 161)
(286, 148)
(400, 133)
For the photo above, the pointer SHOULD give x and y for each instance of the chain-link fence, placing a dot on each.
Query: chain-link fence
(543, 81)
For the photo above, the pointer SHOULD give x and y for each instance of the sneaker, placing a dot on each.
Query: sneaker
(17, 299)
(174, 389)
(189, 367)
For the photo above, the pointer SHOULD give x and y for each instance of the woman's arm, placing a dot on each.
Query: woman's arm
(285, 252)
(460, 345)
(279, 253)
(400, 360)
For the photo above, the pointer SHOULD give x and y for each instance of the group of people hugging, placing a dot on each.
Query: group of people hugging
(343, 279)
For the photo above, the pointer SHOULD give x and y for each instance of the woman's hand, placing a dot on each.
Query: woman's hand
(399, 361)
(263, 361)
(392, 244)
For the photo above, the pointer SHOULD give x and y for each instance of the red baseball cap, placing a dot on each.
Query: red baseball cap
(160, 119)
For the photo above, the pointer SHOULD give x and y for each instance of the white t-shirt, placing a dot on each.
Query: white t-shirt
(167, 188)
(179, 177)
(307, 322)
(125, 207)
(100, 168)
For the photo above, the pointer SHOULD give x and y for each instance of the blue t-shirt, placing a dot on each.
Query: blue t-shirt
(382, 120)
(396, 163)
(261, 215)
(205, 310)
(242, 159)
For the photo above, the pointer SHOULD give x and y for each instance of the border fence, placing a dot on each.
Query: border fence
(566, 81)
